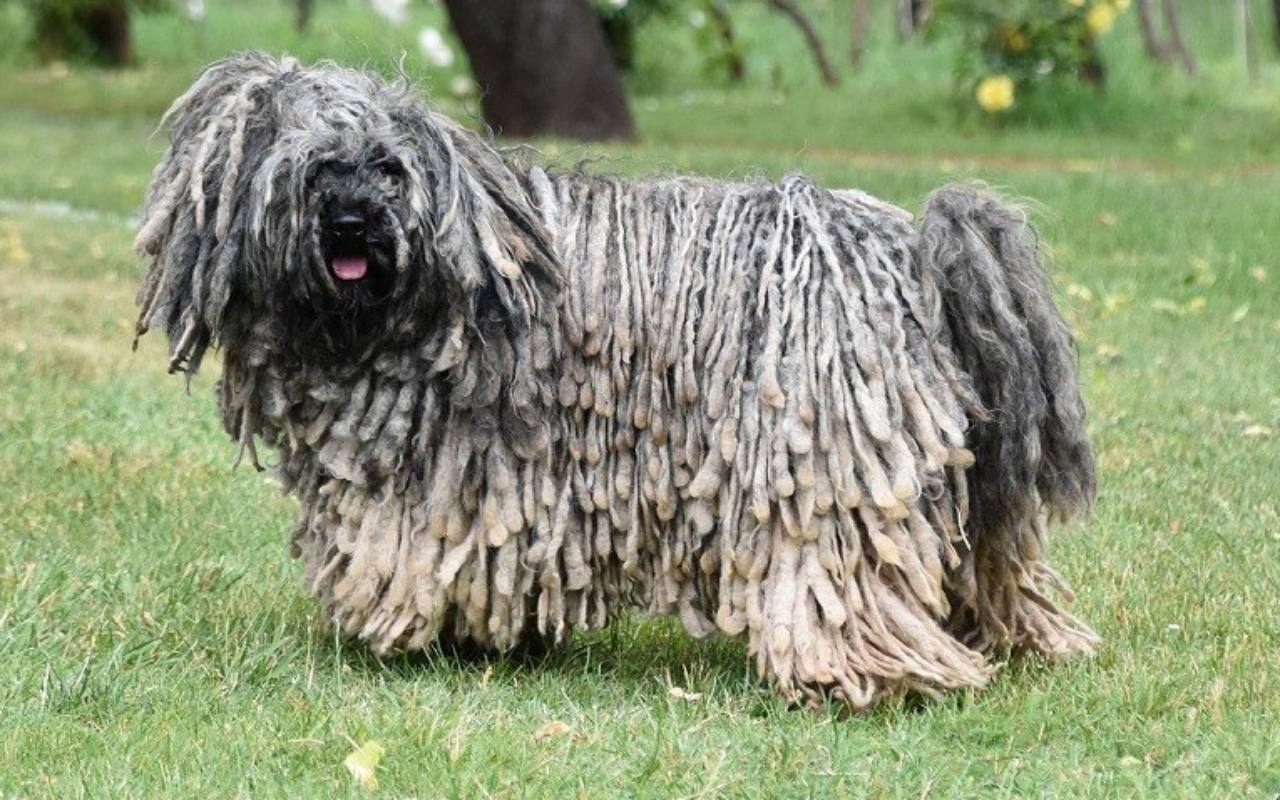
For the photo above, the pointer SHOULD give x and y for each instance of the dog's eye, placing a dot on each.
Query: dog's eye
(390, 169)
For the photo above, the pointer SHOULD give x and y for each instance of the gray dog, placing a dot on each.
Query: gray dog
(514, 403)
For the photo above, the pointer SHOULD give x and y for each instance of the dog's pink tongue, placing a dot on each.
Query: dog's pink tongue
(350, 268)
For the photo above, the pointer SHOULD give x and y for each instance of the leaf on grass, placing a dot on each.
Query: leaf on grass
(362, 763)
(1108, 219)
(551, 730)
(1080, 292)
(683, 694)
(1259, 431)
(1259, 274)
(1106, 353)
(1201, 274)
(1240, 313)
(15, 253)
(1114, 302)
(1193, 306)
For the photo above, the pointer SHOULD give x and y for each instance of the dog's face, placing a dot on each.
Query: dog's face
(354, 204)
(360, 239)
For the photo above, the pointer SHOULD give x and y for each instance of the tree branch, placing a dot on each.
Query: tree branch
(1179, 44)
(302, 19)
(797, 16)
(724, 26)
(1275, 12)
(1156, 49)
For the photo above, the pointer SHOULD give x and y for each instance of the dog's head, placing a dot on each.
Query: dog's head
(319, 215)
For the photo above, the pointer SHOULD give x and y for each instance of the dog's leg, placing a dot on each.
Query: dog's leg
(832, 621)
(1003, 599)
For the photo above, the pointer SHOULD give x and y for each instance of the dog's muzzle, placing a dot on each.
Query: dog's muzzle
(348, 246)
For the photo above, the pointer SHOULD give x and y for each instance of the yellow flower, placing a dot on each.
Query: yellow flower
(1100, 18)
(995, 93)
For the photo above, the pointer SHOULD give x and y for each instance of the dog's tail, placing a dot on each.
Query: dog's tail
(980, 259)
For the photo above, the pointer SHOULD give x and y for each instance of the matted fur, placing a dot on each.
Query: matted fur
(777, 411)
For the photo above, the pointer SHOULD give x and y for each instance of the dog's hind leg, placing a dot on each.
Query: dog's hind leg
(828, 620)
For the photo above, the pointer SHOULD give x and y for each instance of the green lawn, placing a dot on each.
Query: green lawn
(155, 639)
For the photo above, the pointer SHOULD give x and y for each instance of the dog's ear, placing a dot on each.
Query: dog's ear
(492, 250)
(197, 206)
(487, 237)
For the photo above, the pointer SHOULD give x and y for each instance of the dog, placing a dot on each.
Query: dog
(513, 402)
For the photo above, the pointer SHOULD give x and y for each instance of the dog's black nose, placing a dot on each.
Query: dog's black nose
(347, 225)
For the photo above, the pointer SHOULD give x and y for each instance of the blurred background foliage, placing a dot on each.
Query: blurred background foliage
(1030, 41)
(1017, 78)
(662, 46)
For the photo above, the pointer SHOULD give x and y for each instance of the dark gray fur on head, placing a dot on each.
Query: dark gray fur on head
(513, 403)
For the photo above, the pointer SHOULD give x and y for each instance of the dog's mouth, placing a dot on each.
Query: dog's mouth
(348, 246)
(349, 268)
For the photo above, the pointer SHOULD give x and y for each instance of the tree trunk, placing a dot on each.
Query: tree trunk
(911, 16)
(1275, 28)
(858, 24)
(620, 36)
(1093, 70)
(921, 10)
(1179, 44)
(1244, 27)
(108, 29)
(1156, 49)
(302, 20)
(99, 33)
(543, 67)
(811, 38)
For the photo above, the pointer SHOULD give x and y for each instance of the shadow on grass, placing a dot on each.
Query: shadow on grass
(632, 649)
(644, 657)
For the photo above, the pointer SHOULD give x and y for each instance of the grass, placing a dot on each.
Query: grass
(155, 641)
